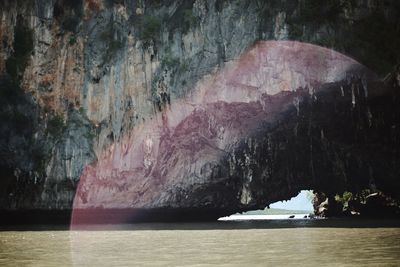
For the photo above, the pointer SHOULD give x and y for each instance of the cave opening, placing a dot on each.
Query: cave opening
(298, 207)
(301, 203)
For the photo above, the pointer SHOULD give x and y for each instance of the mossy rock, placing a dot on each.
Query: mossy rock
(149, 28)
(56, 125)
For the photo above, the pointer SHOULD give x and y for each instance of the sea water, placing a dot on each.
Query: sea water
(244, 243)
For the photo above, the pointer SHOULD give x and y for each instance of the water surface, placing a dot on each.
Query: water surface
(279, 243)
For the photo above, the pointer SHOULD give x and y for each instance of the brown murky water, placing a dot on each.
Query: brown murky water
(203, 245)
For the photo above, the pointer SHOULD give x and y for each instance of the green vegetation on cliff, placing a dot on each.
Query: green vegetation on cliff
(56, 125)
(149, 28)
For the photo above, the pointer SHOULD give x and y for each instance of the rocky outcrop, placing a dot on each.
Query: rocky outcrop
(213, 149)
(361, 204)
(83, 80)
(208, 140)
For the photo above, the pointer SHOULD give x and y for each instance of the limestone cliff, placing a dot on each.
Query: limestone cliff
(81, 79)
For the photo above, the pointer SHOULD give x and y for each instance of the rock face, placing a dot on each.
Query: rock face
(174, 103)
(243, 138)
(201, 150)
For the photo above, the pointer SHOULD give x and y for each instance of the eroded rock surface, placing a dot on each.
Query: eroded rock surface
(80, 78)
(223, 146)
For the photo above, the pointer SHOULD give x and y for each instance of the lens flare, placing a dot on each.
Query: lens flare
(166, 161)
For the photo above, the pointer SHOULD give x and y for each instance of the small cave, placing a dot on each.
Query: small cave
(314, 204)
(299, 207)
